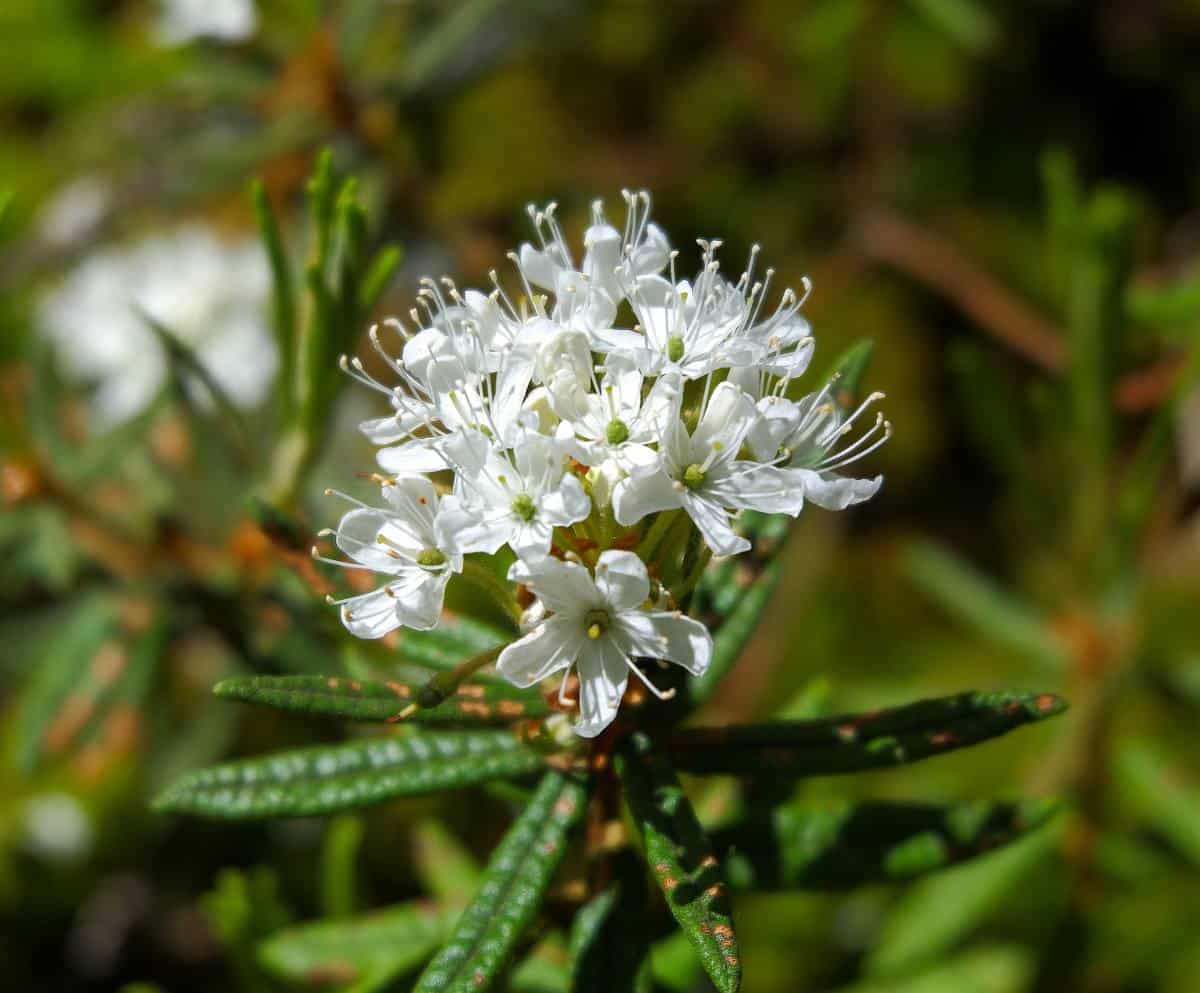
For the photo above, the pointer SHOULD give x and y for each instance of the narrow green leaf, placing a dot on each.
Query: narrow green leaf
(849, 368)
(381, 943)
(1151, 783)
(451, 642)
(968, 23)
(853, 742)
(939, 911)
(324, 779)
(282, 294)
(359, 700)
(444, 867)
(869, 842)
(681, 859)
(1173, 308)
(610, 935)
(733, 632)
(243, 908)
(343, 839)
(991, 969)
(517, 875)
(377, 276)
(986, 607)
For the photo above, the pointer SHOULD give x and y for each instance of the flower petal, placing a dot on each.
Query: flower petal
(727, 419)
(371, 615)
(834, 492)
(713, 522)
(765, 488)
(603, 671)
(622, 579)
(567, 504)
(670, 635)
(637, 496)
(549, 648)
(564, 587)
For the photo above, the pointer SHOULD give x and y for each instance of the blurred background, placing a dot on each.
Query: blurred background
(1002, 197)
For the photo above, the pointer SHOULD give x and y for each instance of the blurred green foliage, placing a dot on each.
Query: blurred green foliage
(1001, 197)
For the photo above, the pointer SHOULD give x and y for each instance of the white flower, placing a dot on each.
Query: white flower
(702, 474)
(516, 498)
(182, 21)
(599, 625)
(209, 294)
(806, 436)
(404, 541)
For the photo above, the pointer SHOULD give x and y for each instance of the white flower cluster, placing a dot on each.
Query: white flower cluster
(210, 293)
(183, 21)
(600, 455)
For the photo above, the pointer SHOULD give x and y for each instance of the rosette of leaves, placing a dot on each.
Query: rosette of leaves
(642, 856)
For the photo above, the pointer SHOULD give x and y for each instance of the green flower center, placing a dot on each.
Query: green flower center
(595, 623)
(693, 476)
(431, 558)
(617, 431)
(523, 507)
(675, 348)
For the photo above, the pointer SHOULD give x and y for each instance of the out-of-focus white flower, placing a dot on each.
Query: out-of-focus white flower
(181, 21)
(57, 828)
(210, 294)
(598, 625)
(74, 211)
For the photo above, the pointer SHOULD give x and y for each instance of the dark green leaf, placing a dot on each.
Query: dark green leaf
(991, 969)
(282, 294)
(339, 777)
(610, 935)
(849, 368)
(853, 742)
(517, 875)
(870, 842)
(382, 943)
(681, 859)
(357, 700)
(452, 641)
(444, 867)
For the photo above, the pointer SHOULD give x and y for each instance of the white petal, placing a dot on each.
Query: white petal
(357, 535)
(603, 672)
(414, 456)
(531, 538)
(746, 486)
(371, 615)
(834, 492)
(566, 505)
(548, 649)
(465, 528)
(727, 419)
(414, 498)
(418, 594)
(538, 266)
(635, 497)
(564, 587)
(617, 340)
(713, 522)
(670, 635)
(622, 580)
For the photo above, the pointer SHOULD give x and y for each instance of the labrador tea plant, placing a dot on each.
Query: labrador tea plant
(609, 455)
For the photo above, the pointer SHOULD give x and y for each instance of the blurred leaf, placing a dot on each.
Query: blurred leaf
(991, 410)
(869, 842)
(989, 969)
(849, 368)
(936, 913)
(377, 276)
(969, 23)
(445, 868)
(610, 935)
(681, 859)
(328, 778)
(242, 908)
(283, 318)
(452, 641)
(343, 839)
(366, 948)
(1173, 308)
(853, 742)
(357, 700)
(516, 877)
(1151, 782)
(981, 603)
(445, 42)
(1064, 200)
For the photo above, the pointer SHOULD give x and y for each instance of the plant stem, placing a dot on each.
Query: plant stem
(662, 524)
(484, 579)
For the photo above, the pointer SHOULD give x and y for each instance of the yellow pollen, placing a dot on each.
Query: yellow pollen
(594, 632)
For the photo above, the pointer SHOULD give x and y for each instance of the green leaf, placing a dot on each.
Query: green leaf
(1150, 781)
(851, 743)
(282, 295)
(324, 779)
(343, 839)
(968, 23)
(681, 859)
(937, 912)
(452, 641)
(379, 273)
(444, 867)
(358, 700)
(986, 607)
(359, 949)
(869, 842)
(517, 875)
(849, 368)
(991, 969)
(242, 908)
(610, 935)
